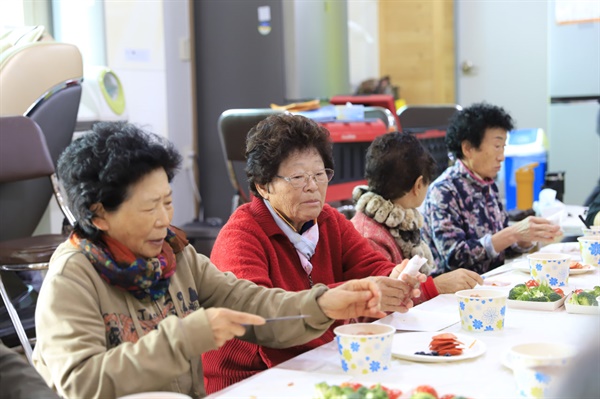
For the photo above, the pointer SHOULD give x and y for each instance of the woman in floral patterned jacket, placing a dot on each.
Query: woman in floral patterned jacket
(466, 225)
(398, 170)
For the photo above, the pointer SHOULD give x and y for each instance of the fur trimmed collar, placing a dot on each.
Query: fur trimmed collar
(403, 224)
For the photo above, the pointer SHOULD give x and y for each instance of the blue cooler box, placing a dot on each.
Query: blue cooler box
(523, 147)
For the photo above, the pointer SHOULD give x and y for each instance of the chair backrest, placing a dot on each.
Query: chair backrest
(429, 123)
(384, 114)
(42, 81)
(23, 151)
(234, 125)
(33, 71)
(418, 118)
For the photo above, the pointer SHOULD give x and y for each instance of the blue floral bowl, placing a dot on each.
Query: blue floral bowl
(590, 250)
(482, 310)
(365, 348)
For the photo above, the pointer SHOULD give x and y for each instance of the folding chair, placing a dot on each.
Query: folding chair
(234, 125)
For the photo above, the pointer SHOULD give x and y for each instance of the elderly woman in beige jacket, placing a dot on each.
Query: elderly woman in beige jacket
(128, 306)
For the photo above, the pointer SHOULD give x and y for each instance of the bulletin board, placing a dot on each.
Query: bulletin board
(577, 11)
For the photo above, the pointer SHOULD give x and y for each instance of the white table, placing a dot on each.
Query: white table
(481, 377)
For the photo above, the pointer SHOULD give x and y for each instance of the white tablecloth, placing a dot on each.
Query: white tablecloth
(481, 377)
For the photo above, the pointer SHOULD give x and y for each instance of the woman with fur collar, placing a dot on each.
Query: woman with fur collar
(398, 172)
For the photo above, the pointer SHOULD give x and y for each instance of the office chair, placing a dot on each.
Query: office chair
(234, 125)
(429, 123)
(24, 155)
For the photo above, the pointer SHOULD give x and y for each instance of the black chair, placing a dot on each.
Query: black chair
(429, 123)
(234, 125)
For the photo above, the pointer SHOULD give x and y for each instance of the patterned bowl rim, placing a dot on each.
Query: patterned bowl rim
(367, 330)
(549, 256)
(483, 294)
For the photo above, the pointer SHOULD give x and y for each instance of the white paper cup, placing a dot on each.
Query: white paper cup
(482, 310)
(538, 382)
(549, 268)
(592, 231)
(590, 250)
(539, 367)
(365, 348)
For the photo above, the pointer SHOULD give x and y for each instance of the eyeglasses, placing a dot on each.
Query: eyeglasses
(301, 180)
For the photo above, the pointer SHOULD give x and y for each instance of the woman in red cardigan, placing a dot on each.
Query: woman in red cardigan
(398, 171)
(287, 237)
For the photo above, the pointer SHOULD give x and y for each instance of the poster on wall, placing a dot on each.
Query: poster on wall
(576, 11)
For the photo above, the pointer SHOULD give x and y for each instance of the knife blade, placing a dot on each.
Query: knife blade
(299, 316)
(281, 318)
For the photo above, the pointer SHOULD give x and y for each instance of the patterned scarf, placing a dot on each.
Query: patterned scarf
(403, 224)
(305, 243)
(118, 266)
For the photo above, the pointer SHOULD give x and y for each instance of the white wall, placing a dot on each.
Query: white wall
(144, 43)
(363, 38)
(143, 48)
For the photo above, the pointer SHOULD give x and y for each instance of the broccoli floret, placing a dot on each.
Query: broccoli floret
(545, 289)
(526, 296)
(554, 297)
(516, 291)
(539, 299)
(573, 299)
(586, 298)
(597, 291)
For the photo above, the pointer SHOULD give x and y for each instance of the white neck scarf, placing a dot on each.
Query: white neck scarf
(305, 243)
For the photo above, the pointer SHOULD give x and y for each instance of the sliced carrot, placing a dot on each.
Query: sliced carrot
(444, 336)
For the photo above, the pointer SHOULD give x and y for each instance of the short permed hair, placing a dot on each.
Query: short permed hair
(394, 162)
(471, 123)
(101, 166)
(275, 138)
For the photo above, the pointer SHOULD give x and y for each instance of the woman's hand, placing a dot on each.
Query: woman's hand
(354, 298)
(533, 229)
(456, 280)
(227, 323)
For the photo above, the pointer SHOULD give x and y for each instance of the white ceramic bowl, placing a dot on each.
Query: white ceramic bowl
(550, 268)
(365, 348)
(540, 354)
(590, 250)
(482, 310)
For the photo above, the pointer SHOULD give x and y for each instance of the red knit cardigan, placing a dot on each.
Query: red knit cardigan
(253, 247)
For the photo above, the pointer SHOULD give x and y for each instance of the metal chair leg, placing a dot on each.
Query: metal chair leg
(14, 317)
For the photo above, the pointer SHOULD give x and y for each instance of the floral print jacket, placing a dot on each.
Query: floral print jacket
(460, 210)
